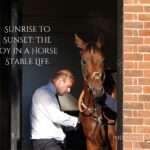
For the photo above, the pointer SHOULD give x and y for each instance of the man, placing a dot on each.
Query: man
(46, 116)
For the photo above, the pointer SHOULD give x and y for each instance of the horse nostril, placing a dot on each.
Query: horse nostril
(98, 92)
(102, 90)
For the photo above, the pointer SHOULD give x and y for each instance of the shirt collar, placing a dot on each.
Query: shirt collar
(51, 88)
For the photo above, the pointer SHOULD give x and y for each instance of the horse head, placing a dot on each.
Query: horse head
(92, 65)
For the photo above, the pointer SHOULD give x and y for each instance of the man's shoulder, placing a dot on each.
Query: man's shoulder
(109, 97)
(41, 96)
(111, 102)
(39, 91)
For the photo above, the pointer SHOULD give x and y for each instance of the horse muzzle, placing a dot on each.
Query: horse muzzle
(97, 92)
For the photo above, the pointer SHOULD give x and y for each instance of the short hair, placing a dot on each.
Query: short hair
(64, 73)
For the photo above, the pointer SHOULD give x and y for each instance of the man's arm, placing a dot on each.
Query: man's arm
(46, 105)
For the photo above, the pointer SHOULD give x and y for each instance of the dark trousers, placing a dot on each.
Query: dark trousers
(47, 144)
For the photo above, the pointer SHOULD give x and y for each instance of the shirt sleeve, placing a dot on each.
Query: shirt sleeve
(50, 109)
(111, 103)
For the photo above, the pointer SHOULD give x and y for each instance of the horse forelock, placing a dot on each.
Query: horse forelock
(92, 48)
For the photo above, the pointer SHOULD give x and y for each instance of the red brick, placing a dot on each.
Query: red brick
(128, 81)
(127, 113)
(128, 145)
(130, 48)
(141, 114)
(144, 98)
(146, 25)
(134, 8)
(130, 65)
(131, 121)
(145, 145)
(133, 73)
(147, 41)
(143, 129)
(133, 137)
(136, 145)
(147, 105)
(130, 1)
(124, 148)
(133, 89)
(146, 121)
(144, 32)
(130, 16)
(144, 17)
(133, 106)
(147, 73)
(144, 65)
(134, 57)
(144, 1)
(130, 97)
(133, 40)
(146, 89)
(144, 81)
(141, 145)
(147, 137)
(130, 32)
(144, 48)
(147, 57)
(146, 8)
(145, 114)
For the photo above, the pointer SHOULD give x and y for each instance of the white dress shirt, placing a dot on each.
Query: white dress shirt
(46, 116)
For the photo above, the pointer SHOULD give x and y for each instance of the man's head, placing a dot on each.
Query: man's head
(63, 81)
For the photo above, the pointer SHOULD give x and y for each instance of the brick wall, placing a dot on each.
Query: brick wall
(136, 74)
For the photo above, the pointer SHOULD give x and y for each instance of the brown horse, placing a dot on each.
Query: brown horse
(97, 126)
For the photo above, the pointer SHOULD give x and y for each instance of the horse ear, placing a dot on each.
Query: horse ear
(99, 42)
(79, 42)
